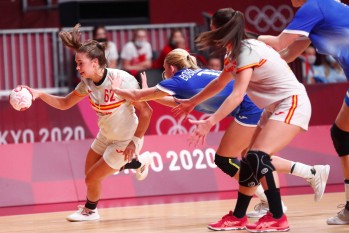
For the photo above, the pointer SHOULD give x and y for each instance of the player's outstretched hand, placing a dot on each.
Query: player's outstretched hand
(203, 127)
(144, 80)
(184, 107)
(116, 80)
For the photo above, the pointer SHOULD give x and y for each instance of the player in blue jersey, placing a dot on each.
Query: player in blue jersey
(325, 24)
(184, 79)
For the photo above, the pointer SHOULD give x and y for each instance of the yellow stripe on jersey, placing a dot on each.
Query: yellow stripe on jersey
(292, 109)
(257, 64)
(78, 94)
(106, 107)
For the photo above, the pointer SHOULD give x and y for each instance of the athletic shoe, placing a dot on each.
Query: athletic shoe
(342, 217)
(229, 222)
(318, 182)
(83, 214)
(269, 224)
(146, 160)
(261, 209)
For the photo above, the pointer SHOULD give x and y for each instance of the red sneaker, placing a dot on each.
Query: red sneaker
(269, 224)
(229, 222)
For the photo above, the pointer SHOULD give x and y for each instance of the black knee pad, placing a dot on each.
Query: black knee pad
(340, 140)
(229, 166)
(260, 163)
(246, 176)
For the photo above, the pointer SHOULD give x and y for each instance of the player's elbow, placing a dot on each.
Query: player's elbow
(65, 105)
(238, 96)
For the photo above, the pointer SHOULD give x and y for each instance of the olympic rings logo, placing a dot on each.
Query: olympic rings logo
(177, 126)
(269, 17)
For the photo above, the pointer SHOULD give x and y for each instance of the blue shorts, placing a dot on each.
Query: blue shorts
(346, 98)
(248, 114)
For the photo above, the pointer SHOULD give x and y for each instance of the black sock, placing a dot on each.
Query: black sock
(241, 205)
(90, 204)
(134, 164)
(274, 201)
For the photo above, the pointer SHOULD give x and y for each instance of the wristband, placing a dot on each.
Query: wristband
(136, 140)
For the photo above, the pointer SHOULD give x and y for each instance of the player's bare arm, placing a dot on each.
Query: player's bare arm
(60, 102)
(152, 93)
(168, 101)
(295, 49)
(279, 42)
(235, 98)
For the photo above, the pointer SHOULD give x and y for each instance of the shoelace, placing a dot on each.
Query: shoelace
(342, 207)
(84, 210)
(260, 206)
(141, 170)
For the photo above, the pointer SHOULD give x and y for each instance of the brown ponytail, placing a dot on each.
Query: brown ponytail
(92, 48)
(230, 30)
(71, 39)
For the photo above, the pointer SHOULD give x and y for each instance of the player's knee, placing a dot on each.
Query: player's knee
(91, 180)
(340, 140)
(246, 176)
(260, 163)
(229, 166)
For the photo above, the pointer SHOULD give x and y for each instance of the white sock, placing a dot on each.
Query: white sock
(302, 170)
(260, 194)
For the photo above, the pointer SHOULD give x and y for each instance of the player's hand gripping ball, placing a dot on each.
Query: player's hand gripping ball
(20, 98)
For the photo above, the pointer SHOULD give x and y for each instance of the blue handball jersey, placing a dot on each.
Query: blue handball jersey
(186, 83)
(326, 24)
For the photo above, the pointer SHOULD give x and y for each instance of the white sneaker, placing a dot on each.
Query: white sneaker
(83, 214)
(318, 182)
(342, 217)
(261, 209)
(146, 160)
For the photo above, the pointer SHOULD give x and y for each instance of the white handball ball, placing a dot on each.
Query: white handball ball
(20, 98)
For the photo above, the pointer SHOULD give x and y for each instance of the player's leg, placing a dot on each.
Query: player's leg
(91, 158)
(234, 142)
(97, 170)
(273, 137)
(237, 138)
(278, 130)
(340, 138)
(316, 175)
(96, 151)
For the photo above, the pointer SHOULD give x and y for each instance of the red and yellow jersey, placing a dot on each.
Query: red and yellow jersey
(116, 116)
